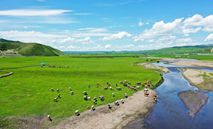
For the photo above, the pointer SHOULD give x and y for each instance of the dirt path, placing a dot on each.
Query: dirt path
(116, 118)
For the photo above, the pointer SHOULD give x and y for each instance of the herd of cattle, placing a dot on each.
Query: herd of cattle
(86, 97)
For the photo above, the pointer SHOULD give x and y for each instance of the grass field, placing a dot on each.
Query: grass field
(27, 92)
(3, 72)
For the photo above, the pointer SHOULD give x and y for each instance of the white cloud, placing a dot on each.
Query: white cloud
(86, 40)
(53, 20)
(199, 21)
(180, 26)
(119, 35)
(31, 36)
(140, 23)
(107, 46)
(158, 29)
(162, 27)
(208, 23)
(33, 12)
(65, 40)
(168, 41)
(94, 30)
(70, 40)
(209, 37)
(88, 34)
(194, 20)
(190, 30)
(53, 39)
(177, 32)
(184, 40)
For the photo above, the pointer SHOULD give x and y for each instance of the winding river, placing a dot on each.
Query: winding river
(170, 112)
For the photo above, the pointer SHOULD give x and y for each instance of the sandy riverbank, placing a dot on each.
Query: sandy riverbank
(116, 118)
(189, 62)
(155, 67)
(194, 76)
(199, 78)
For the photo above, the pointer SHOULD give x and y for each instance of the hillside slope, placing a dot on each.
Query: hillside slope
(187, 50)
(27, 49)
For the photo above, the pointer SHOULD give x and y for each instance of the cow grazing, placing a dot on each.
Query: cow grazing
(125, 95)
(49, 118)
(122, 101)
(101, 98)
(113, 94)
(109, 106)
(77, 113)
(93, 108)
(85, 93)
(117, 103)
(52, 89)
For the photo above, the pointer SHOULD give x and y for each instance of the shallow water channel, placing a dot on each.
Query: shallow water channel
(170, 112)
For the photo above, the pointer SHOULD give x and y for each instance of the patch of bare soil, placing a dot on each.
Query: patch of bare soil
(39, 122)
(194, 76)
(152, 66)
(199, 78)
(193, 100)
(115, 118)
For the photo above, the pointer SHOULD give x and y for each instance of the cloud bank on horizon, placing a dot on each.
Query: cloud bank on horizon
(108, 25)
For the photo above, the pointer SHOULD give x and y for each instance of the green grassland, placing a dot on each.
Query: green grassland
(3, 72)
(27, 92)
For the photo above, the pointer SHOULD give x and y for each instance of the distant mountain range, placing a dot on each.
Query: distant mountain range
(9, 47)
(202, 49)
(197, 49)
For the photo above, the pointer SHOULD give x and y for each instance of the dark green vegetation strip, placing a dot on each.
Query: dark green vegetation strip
(28, 92)
(159, 82)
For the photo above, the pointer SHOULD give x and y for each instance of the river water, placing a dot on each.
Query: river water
(170, 112)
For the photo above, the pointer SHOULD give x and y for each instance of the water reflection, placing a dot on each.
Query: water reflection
(170, 112)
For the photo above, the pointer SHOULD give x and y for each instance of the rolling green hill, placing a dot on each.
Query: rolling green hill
(27, 49)
(183, 51)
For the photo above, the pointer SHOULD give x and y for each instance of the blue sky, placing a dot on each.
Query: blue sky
(93, 25)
